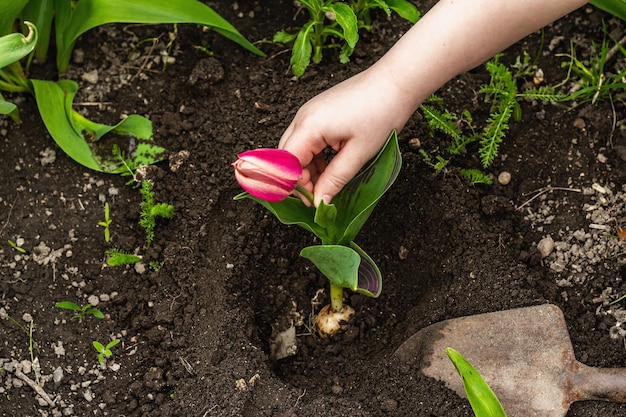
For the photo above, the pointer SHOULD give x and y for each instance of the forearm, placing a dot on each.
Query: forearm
(457, 35)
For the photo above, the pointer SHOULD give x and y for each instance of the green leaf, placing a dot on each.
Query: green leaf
(95, 312)
(340, 264)
(301, 50)
(9, 11)
(405, 9)
(99, 346)
(346, 267)
(9, 108)
(16, 46)
(283, 36)
(291, 211)
(88, 14)
(325, 214)
(78, 136)
(41, 13)
(346, 18)
(356, 201)
(615, 7)
(68, 305)
(482, 399)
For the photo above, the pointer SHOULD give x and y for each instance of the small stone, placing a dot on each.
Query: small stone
(91, 76)
(94, 300)
(415, 143)
(504, 178)
(545, 246)
(57, 376)
(27, 318)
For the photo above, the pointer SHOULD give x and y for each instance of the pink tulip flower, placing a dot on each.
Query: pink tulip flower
(268, 174)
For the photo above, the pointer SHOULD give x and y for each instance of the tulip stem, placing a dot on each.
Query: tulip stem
(306, 193)
(336, 298)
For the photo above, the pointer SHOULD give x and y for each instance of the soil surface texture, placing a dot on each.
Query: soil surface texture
(199, 318)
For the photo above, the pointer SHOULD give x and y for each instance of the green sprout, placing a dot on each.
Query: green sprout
(104, 351)
(151, 210)
(16, 246)
(106, 223)
(482, 399)
(81, 312)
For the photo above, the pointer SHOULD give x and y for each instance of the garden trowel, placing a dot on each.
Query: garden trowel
(524, 354)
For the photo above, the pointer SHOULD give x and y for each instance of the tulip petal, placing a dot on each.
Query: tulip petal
(277, 161)
(261, 188)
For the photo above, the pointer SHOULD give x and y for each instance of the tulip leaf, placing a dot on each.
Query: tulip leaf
(78, 136)
(290, 211)
(346, 267)
(86, 15)
(16, 46)
(325, 216)
(356, 201)
(481, 398)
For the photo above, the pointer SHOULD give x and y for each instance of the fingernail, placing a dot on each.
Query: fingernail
(326, 199)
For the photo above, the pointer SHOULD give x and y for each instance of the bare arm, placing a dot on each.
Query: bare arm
(356, 116)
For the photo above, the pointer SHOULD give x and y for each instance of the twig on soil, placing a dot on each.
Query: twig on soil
(615, 49)
(544, 190)
(43, 394)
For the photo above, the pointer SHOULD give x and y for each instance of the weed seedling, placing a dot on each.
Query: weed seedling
(16, 246)
(106, 223)
(150, 211)
(104, 351)
(81, 312)
(116, 257)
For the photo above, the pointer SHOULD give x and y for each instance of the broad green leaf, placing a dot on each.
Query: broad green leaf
(325, 215)
(99, 346)
(301, 50)
(358, 198)
(382, 4)
(370, 278)
(283, 36)
(346, 18)
(16, 46)
(9, 11)
(346, 267)
(8, 108)
(78, 137)
(405, 9)
(291, 211)
(340, 264)
(68, 305)
(41, 14)
(615, 7)
(88, 14)
(482, 399)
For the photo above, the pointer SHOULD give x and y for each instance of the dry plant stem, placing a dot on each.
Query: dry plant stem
(544, 190)
(43, 394)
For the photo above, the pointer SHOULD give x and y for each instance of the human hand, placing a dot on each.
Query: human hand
(354, 118)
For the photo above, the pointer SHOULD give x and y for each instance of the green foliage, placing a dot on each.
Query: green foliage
(595, 83)
(81, 312)
(68, 20)
(482, 399)
(116, 257)
(104, 351)
(106, 223)
(341, 260)
(615, 7)
(16, 246)
(150, 211)
(503, 95)
(336, 24)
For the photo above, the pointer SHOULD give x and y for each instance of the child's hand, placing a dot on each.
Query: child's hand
(354, 118)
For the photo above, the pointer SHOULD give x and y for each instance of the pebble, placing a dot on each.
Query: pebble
(57, 376)
(545, 246)
(504, 178)
(94, 300)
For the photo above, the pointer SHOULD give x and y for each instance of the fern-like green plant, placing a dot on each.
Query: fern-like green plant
(150, 211)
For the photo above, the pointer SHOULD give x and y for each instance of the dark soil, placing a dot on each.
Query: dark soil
(195, 333)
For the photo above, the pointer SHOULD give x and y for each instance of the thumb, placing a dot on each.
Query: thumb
(341, 169)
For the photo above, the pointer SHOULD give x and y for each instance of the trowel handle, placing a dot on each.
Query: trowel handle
(589, 383)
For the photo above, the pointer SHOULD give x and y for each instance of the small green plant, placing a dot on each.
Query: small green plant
(104, 351)
(151, 211)
(81, 312)
(503, 95)
(336, 24)
(117, 257)
(594, 84)
(67, 20)
(156, 265)
(106, 223)
(16, 246)
(482, 399)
